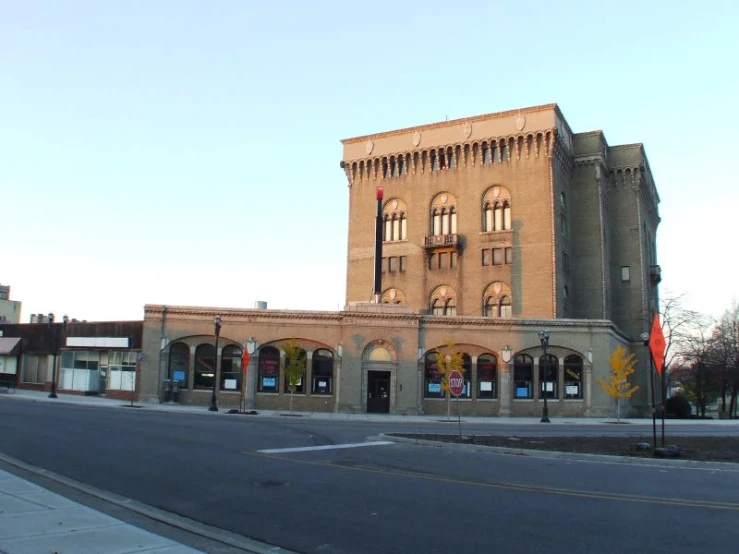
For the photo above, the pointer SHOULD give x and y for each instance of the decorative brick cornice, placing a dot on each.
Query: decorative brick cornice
(526, 145)
(452, 123)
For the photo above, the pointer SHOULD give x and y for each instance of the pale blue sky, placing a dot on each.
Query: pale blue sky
(188, 152)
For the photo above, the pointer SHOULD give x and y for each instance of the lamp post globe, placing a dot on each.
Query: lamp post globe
(544, 339)
(217, 324)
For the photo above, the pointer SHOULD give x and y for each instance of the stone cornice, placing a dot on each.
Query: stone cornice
(453, 122)
(349, 318)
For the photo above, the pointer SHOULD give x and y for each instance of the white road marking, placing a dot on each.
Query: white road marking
(324, 447)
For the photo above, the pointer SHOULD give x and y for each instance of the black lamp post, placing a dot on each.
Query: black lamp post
(213, 407)
(50, 323)
(544, 339)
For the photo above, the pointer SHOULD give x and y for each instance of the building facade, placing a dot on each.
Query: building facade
(10, 310)
(79, 357)
(378, 358)
(506, 215)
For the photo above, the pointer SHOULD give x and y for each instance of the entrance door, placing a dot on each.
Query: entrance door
(378, 392)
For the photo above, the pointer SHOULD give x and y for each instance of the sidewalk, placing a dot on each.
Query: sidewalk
(102, 402)
(34, 520)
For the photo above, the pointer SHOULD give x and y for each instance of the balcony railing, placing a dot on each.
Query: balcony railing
(435, 241)
(655, 273)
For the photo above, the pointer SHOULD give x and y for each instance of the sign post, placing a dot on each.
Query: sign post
(456, 387)
(244, 367)
(657, 348)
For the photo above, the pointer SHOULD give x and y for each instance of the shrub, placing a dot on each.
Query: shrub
(678, 406)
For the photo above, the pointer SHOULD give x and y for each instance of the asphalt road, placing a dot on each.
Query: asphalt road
(384, 498)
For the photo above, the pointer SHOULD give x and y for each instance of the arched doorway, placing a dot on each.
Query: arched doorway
(378, 372)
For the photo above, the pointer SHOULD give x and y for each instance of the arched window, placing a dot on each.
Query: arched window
(179, 362)
(497, 301)
(443, 214)
(505, 310)
(231, 368)
(496, 207)
(573, 377)
(300, 387)
(443, 301)
(548, 372)
(268, 369)
(432, 377)
(485, 153)
(487, 220)
(467, 374)
(523, 377)
(322, 372)
(379, 353)
(436, 222)
(394, 215)
(205, 365)
(393, 296)
(487, 376)
(498, 217)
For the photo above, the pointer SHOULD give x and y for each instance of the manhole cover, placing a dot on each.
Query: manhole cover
(271, 484)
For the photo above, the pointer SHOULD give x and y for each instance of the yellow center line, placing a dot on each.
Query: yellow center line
(682, 502)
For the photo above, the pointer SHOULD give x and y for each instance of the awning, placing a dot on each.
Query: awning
(8, 346)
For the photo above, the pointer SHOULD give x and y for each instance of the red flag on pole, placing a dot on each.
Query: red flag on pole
(244, 361)
(657, 345)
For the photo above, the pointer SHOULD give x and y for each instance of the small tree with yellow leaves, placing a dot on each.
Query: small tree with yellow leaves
(295, 362)
(446, 362)
(617, 385)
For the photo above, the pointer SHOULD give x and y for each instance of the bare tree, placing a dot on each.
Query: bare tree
(724, 358)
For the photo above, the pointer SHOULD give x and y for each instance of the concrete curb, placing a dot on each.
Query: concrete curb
(573, 456)
(101, 402)
(251, 546)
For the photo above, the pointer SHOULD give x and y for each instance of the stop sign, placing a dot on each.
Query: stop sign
(456, 383)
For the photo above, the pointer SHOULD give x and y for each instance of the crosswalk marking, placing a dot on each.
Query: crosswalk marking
(323, 447)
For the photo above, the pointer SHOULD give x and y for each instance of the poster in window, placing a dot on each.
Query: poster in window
(522, 392)
(572, 390)
(434, 388)
(229, 384)
(269, 382)
(486, 386)
(270, 367)
(178, 376)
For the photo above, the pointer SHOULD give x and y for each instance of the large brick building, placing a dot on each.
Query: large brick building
(506, 215)
(495, 228)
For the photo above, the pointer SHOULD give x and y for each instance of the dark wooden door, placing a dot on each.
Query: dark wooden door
(378, 392)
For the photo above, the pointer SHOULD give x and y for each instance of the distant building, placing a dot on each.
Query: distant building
(10, 310)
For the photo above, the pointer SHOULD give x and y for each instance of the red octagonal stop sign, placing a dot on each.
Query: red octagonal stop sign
(456, 383)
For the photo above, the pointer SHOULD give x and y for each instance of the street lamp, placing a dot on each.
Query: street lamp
(50, 323)
(645, 339)
(213, 407)
(544, 339)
